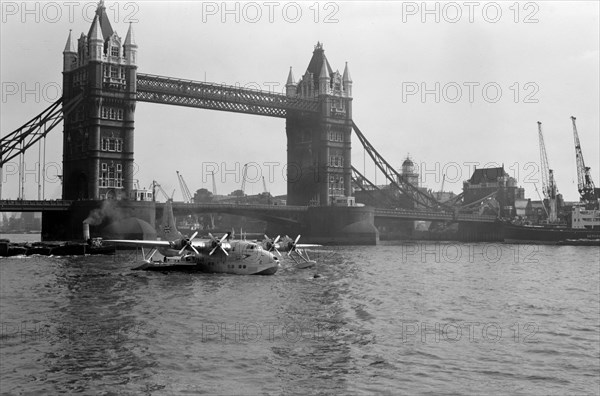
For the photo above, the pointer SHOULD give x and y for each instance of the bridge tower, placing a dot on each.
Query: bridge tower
(98, 135)
(318, 146)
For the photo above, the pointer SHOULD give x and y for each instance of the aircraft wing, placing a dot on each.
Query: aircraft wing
(199, 244)
(287, 246)
(142, 243)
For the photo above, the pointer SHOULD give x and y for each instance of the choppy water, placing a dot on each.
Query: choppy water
(408, 319)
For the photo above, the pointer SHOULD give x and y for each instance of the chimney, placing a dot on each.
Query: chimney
(86, 231)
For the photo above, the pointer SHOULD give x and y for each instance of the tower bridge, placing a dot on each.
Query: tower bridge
(101, 89)
(99, 133)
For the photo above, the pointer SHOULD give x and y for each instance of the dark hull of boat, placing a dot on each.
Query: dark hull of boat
(518, 233)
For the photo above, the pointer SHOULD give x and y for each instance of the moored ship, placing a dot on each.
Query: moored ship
(584, 229)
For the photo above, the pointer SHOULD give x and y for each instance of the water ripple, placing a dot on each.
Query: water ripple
(377, 321)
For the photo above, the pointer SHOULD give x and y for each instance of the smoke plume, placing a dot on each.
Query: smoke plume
(107, 210)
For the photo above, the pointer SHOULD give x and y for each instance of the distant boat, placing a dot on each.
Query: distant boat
(580, 242)
(584, 229)
(527, 233)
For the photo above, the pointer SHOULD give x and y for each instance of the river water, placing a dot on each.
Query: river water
(413, 318)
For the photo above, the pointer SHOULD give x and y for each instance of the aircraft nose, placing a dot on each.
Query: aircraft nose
(269, 256)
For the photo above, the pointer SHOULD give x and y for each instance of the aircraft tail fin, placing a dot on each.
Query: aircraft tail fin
(167, 231)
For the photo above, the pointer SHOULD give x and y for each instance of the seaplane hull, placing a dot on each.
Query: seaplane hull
(246, 263)
(176, 266)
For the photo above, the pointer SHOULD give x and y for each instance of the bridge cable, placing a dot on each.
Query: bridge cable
(359, 180)
(412, 192)
(21, 139)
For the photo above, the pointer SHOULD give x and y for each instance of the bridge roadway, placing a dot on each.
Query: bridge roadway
(19, 205)
(405, 214)
(277, 213)
(286, 214)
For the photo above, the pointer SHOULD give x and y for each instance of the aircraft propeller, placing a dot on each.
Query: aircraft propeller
(218, 244)
(271, 245)
(188, 243)
(292, 245)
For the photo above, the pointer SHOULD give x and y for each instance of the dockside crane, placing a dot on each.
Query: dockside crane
(185, 191)
(214, 184)
(585, 184)
(549, 188)
(244, 171)
(156, 186)
(441, 193)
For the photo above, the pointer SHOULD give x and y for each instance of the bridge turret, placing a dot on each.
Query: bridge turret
(290, 85)
(409, 175)
(69, 54)
(96, 41)
(319, 146)
(324, 80)
(130, 47)
(347, 82)
(98, 135)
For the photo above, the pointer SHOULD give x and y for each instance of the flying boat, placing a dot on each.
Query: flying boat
(212, 254)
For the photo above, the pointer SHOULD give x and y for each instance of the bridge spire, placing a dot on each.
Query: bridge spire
(290, 85)
(130, 46)
(347, 82)
(130, 38)
(347, 77)
(290, 79)
(69, 54)
(70, 46)
(96, 30)
(103, 22)
(316, 62)
(324, 79)
(96, 40)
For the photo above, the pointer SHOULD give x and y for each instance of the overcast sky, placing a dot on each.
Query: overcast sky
(542, 56)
